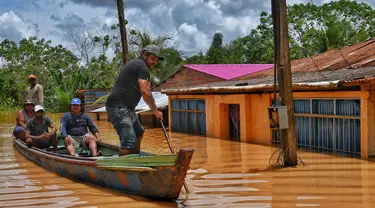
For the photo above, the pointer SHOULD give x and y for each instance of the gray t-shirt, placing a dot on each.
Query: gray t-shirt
(38, 129)
(126, 91)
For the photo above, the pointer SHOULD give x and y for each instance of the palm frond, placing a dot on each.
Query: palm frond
(101, 100)
(63, 99)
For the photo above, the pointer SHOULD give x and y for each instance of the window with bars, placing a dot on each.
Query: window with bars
(189, 116)
(329, 124)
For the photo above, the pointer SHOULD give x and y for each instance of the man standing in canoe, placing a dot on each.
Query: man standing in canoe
(35, 91)
(133, 83)
(23, 116)
(73, 127)
(37, 133)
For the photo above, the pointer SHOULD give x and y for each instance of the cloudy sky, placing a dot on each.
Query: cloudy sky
(191, 23)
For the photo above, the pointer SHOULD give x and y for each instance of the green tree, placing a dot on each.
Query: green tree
(140, 39)
(317, 29)
(173, 57)
(172, 61)
(234, 52)
(259, 44)
(196, 59)
(32, 56)
(313, 29)
(215, 54)
(59, 71)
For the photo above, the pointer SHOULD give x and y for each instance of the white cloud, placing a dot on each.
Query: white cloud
(188, 29)
(14, 27)
(240, 25)
(212, 5)
(190, 39)
(192, 2)
(192, 23)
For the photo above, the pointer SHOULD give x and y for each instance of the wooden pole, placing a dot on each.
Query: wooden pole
(285, 80)
(124, 41)
(172, 151)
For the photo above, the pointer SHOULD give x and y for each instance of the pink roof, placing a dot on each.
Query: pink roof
(228, 71)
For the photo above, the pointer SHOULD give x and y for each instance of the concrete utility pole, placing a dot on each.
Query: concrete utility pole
(124, 41)
(280, 24)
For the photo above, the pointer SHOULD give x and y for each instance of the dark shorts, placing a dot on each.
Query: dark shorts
(127, 125)
(18, 129)
(42, 143)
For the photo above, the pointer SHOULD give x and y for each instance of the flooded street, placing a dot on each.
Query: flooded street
(223, 174)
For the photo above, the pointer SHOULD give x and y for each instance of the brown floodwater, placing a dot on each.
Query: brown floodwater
(222, 174)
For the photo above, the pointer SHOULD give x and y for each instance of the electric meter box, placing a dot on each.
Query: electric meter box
(278, 117)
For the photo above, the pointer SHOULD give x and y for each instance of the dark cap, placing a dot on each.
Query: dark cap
(155, 50)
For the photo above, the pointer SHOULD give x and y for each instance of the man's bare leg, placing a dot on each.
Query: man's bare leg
(127, 151)
(70, 148)
(91, 143)
(54, 142)
(139, 141)
(136, 150)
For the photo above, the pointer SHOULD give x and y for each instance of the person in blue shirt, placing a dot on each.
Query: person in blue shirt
(74, 127)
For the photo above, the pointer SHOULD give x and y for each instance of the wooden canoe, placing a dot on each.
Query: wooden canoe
(156, 176)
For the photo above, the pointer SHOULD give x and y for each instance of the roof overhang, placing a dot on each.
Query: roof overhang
(263, 88)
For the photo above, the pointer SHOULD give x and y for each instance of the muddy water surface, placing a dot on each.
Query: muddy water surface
(222, 174)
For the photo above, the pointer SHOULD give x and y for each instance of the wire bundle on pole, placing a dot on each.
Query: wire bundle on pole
(280, 158)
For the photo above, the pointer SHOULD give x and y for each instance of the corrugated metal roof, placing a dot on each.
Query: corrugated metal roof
(161, 100)
(228, 71)
(316, 76)
(354, 56)
(308, 79)
(359, 80)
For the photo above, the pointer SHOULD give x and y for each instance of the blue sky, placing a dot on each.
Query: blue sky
(191, 23)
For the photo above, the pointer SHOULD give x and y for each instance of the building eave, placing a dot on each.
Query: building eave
(305, 86)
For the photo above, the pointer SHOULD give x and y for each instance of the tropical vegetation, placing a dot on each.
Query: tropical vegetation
(313, 29)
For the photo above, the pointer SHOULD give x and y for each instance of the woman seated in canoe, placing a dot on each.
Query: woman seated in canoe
(37, 133)
(73, 127)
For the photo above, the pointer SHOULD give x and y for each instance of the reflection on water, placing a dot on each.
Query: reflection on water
(17, 189)
(222, 174)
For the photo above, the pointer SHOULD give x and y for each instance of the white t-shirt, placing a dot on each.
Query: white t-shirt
(35, 94)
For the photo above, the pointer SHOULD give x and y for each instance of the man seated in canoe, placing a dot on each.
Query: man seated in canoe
(23, 116)
(73, 127)
(37, 133)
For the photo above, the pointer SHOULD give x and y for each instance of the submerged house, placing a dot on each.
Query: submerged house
(334, 105)
(334, 110)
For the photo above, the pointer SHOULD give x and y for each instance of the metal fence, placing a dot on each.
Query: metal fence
(327, 124)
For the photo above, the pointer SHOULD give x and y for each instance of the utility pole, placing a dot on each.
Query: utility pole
(282, 58)
(124, 41)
